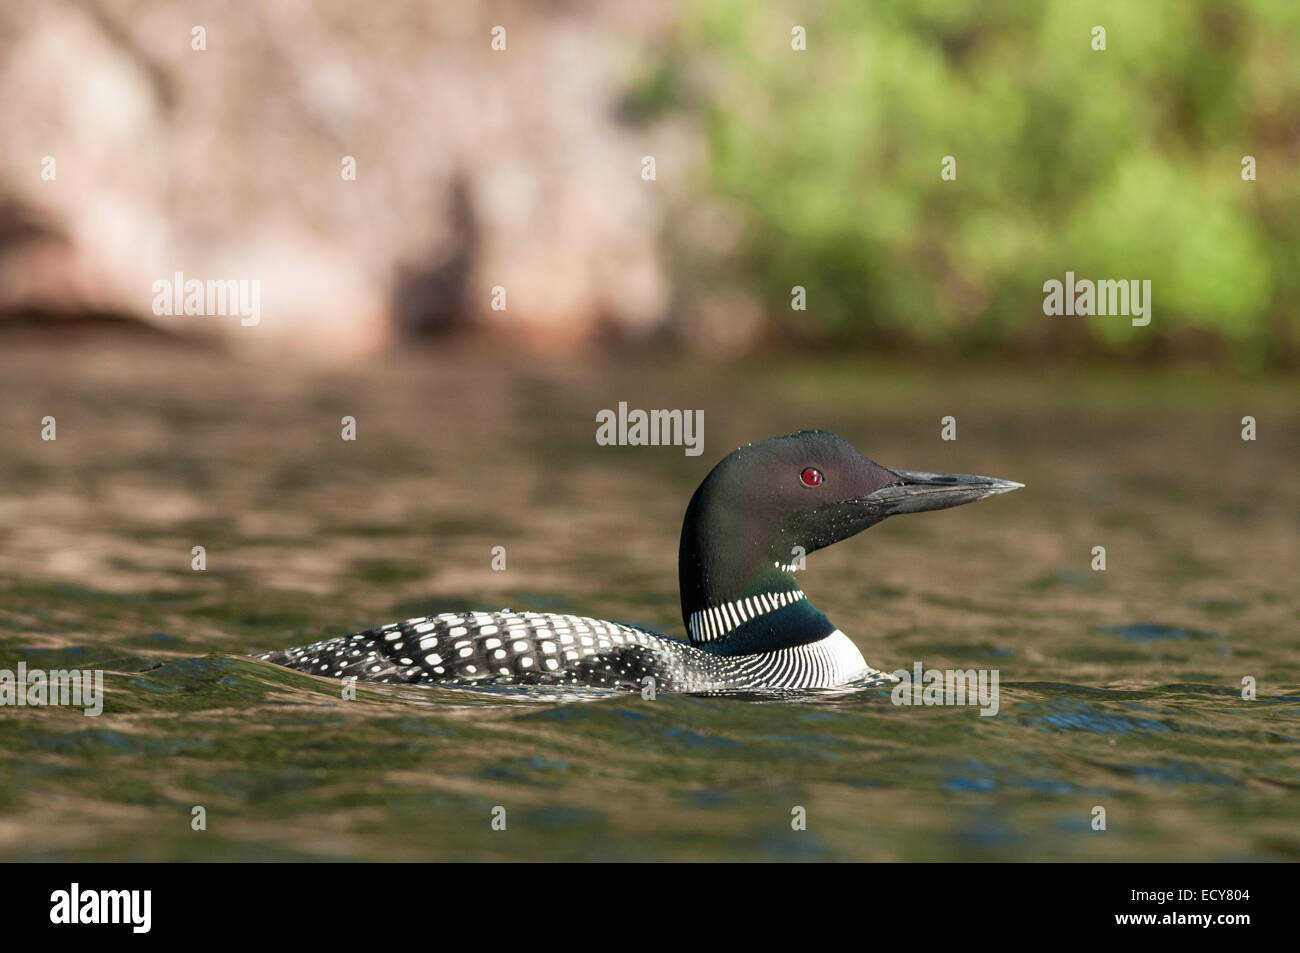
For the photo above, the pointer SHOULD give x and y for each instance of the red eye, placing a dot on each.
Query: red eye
(811, 477)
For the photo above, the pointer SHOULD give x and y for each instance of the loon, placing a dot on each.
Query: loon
(750, 626)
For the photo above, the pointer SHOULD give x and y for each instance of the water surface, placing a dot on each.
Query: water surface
(1119, 689)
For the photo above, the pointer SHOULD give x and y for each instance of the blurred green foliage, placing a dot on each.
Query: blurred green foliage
(1118, 164)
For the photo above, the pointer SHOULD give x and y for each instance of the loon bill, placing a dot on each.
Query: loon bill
(749, 625)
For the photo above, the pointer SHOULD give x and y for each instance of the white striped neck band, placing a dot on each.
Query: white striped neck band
(706, 625)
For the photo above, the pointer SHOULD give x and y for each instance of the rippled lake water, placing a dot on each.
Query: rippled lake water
(1120, 689)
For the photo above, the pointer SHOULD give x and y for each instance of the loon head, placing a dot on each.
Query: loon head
(769, 503)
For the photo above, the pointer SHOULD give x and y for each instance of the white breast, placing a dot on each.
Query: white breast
(825, 663)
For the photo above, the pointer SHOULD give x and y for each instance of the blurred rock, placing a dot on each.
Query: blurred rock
(474, 168)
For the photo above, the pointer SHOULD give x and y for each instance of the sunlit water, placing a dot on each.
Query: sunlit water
(1120, 690)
